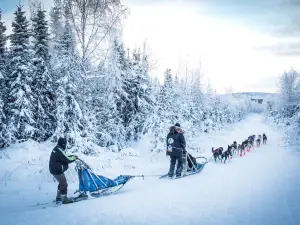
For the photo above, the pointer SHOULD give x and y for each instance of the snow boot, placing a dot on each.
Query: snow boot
(58, 197)
(170, 174)
(66, 200)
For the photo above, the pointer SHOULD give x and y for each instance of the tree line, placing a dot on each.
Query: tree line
(72, 76)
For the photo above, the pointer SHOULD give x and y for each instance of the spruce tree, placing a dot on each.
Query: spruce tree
(114, 114)
(166, 95)
(196, 101)
(3, 39)
(68, 109)
(162, 116)
(19, 105)
(121, 98)
(42, 84)
(3, 55)
(122, 78)
(41, 35)
(3, 71)
(56, 24)
(142, 97)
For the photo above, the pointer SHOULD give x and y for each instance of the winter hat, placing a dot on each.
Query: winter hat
(177, 124)
(62, 142)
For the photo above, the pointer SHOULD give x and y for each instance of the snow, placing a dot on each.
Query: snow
(259, 188)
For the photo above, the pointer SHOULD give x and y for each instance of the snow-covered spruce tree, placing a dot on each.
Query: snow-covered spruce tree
(140, 91)
(56, 26)
(115, 114)
(98, 110)
(177, 99)
(163, 115)
(123, 107)
(184, 92)
(3, 72)
(42, 84)
(56, 31)
(56, 16)
(165, 98)
(215, 112)
(19, 104)
(209, 99)
(3, 39)
(68, 110)
(3, 138)
(196, 108)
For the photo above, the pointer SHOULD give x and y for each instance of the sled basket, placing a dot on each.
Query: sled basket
(89, 181)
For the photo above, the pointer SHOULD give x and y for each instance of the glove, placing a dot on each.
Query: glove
(75, 156)
(184, 151)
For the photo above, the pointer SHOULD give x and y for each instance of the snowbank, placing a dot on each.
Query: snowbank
(27, 163)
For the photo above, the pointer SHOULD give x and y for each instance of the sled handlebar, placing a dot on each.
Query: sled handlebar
(83, 162)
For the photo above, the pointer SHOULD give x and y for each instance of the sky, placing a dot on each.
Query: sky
(242, 44)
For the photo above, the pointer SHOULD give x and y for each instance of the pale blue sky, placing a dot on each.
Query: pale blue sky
(245, 44)
(6, 5)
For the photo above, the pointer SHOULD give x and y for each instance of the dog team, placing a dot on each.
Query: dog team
(236, 149)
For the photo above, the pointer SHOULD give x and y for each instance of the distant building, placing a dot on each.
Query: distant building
(258, 100)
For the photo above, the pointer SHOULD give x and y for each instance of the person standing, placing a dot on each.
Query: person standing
(175, 149)
(58, 164)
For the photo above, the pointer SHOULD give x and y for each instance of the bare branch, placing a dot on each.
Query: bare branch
(93, 20)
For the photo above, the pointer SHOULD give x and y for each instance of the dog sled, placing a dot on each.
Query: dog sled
(97, 185)
(190, 166)
(93, 184)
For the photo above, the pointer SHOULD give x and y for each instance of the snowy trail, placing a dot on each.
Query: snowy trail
(262, 187)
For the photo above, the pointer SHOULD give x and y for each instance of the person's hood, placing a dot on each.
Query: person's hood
(173, 129)
(62, 142)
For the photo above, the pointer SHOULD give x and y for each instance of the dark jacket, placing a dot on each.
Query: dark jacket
(59, 160)
(177, 141)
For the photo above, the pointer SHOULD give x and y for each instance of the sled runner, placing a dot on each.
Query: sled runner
(190, 166)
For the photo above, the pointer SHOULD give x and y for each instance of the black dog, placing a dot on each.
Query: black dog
(240, 148)
(251, 142)
(226, 154)
(264, 139)
(234, 148)
(244, 145)
(258, 140)
(217, 153)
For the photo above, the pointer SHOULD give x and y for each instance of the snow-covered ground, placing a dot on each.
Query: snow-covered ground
(259, 188)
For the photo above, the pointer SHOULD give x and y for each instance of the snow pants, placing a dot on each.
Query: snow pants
(179, 165)
(62, 183)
